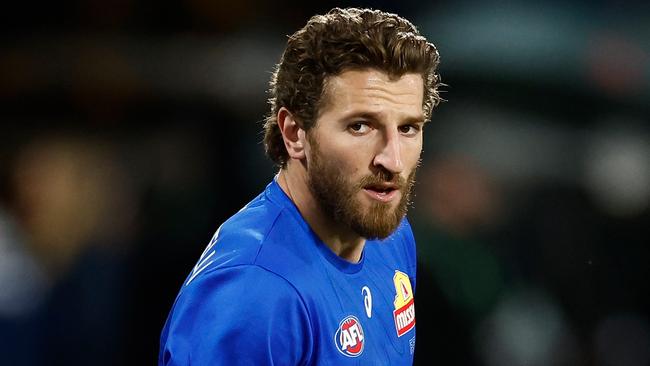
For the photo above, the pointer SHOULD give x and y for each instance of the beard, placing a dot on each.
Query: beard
(337, 197)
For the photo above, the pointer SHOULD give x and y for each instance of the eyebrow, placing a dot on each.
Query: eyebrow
(376, 116)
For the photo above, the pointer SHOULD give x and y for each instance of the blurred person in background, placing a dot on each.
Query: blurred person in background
(460, 277)
(320, 267)
(63, 245)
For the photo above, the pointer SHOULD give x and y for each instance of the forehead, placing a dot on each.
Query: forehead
(374, 91)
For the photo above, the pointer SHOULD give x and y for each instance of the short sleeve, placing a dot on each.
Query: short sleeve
(241, 315)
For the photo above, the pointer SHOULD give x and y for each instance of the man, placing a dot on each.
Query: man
(319, 269)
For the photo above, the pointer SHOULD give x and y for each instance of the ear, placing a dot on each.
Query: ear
(292, 134)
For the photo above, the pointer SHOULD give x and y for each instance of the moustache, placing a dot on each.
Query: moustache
(395, 181)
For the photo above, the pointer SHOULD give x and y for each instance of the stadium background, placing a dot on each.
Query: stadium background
(131, 130)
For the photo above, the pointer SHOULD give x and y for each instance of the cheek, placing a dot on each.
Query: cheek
(350, 159)
(349, 166)
(411, 155)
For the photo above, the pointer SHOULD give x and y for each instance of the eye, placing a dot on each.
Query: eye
(359, 128)
(410, 130)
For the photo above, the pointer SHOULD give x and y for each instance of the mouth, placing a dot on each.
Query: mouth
(383, 192)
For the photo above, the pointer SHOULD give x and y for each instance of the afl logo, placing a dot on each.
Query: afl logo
(349, 337)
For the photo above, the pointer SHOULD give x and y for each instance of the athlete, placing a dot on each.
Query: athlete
(319, 269)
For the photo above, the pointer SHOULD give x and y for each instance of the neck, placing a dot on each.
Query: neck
(339, 238)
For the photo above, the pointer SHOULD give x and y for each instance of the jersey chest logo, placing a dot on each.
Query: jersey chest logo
(404, 313)
(349, 337)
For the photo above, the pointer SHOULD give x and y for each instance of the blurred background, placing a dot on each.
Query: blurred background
(131, 130)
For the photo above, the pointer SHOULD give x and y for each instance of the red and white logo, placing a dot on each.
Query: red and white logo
(404, 314)
(349, 337)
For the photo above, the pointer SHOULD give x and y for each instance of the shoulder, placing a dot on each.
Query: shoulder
(405, 230)
(264, 233)
(403, 240)
(240, 285)
(250, 226)
(239, 240)
(398, 250)
(409, 249)
(234, 309)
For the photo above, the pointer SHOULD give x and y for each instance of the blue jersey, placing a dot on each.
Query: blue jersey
(268, 291)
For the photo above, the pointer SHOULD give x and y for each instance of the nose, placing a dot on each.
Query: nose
(389, 155)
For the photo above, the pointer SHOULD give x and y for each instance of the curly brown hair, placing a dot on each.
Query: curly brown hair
(344, 39)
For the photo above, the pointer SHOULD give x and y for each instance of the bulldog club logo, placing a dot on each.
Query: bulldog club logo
(349, 337)
(404, 313)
